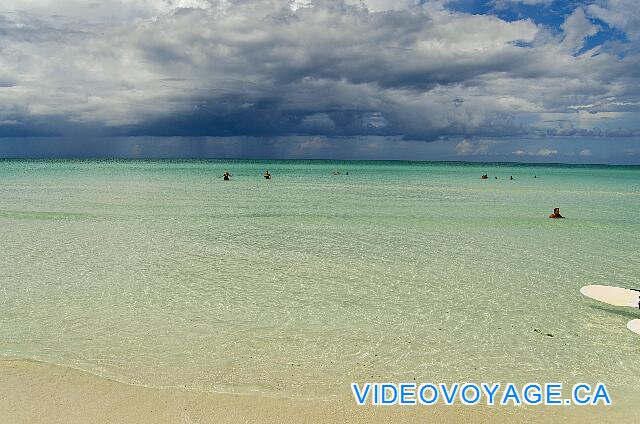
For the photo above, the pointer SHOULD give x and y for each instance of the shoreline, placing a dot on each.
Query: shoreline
(38, 392)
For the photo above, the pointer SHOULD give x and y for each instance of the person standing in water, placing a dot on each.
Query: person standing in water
(226, 176)
(556, 214)
(266, 175)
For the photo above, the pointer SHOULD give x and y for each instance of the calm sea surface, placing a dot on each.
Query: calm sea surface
(160, 273)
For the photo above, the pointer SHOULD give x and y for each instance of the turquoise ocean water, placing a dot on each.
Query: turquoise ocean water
(160, 273)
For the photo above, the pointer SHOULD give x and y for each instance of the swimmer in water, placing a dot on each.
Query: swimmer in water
(266, 175)
(511, 177)
(556, 214)
(226, 176)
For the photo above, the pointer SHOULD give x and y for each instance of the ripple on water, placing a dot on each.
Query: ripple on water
(165, 276)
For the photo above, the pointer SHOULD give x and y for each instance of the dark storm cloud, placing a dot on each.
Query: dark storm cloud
(323, 68)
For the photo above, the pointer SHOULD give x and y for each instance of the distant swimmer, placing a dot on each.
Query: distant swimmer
(484, 177)
(266, 175)
(511, 177)
(226, 176)
(336, 172)
(535, 176)
(556, 214)
(495, 178)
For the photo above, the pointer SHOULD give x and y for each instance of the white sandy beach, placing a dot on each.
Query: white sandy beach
(34, 392)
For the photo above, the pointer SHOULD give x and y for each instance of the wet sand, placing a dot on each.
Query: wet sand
(35, 392)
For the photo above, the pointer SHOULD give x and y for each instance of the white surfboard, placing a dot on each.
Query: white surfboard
(634, 325)
(616, 296)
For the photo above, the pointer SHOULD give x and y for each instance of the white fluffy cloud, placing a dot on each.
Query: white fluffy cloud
(576, 28)
(502, 4)
(586, 153)
(479, 147)
(542, 152)
(622, 14)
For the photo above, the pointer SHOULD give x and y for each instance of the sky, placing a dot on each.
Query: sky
(468, 80)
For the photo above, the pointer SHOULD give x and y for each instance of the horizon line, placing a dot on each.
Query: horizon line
(186, 159)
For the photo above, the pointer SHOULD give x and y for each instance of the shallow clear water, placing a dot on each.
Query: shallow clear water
(160, 273)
